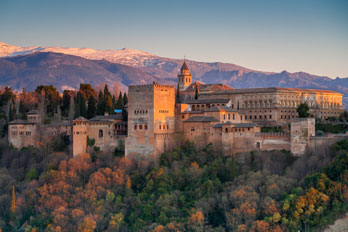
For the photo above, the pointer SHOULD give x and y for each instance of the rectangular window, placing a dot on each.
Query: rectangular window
(270, 117)
(229, 116)
(145, 127)
(140, 127)
(159, 126)
(183, 116)
(167, 127)
(135, 127)
(233, 116)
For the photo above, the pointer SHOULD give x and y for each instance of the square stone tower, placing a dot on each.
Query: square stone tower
(302, 129)
(150, 119)
(80, 126)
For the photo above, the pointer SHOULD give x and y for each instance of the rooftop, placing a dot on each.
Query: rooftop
(221, 108)
(272, 90)
(202, 87)
(201, 119)
(20, 121)
(207, 101)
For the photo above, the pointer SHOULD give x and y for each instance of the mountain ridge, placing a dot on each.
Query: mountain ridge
(127, 66)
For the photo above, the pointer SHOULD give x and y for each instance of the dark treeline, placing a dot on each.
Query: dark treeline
(186, 190)
(86, 102)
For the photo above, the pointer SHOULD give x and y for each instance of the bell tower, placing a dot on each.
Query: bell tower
(184, 77)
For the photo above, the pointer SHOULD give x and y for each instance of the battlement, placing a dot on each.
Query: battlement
(149, 87)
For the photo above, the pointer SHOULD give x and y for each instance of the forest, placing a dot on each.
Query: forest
(186, 190)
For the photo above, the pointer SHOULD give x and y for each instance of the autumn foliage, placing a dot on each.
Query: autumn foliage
(187, 190)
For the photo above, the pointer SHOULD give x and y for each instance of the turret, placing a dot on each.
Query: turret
(184, 77)
(79, 136)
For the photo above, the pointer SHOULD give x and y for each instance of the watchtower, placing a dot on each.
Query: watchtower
(80, 126)
(184, 77)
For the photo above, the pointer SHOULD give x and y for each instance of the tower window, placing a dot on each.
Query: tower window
(100, 133)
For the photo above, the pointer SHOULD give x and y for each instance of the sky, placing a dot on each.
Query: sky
(268, 35)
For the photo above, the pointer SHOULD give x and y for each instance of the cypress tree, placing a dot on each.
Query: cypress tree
(106, 92)
(197, 92)
(125, 99)
(92, 108)
(83, 107)
(108, 105)
(120, 102)
(77, 107)
(101, 104)
(114, 101)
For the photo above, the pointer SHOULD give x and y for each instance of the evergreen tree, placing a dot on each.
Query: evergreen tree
(302, 110)
(197, 92)
(120, 103)
(82, 103)
(114, 101)
(125, 99)
(108, 105)
(12, 112)
(101, 104)
(106, 92)
(92, 108)
(65, 104)
(77, 107)
(22, 110)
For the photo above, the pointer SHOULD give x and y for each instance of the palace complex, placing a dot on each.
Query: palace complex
(161, 117)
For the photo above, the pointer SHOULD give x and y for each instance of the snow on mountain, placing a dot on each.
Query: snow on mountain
(131, 57)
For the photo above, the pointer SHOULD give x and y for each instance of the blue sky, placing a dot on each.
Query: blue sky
(269, 35)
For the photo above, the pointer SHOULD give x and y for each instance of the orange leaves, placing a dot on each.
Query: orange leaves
(128, 183)
(310, 203)
(261, 226)
(269, 206)
(247, 210)
(197, 218)
(88, 224)
(104, 179)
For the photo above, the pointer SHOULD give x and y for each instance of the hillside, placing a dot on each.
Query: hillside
(129, 66)
(66, 72)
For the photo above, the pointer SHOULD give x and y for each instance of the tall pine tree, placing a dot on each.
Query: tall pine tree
(101, 104)
(92, 108)
(120, 103)
(125, 99)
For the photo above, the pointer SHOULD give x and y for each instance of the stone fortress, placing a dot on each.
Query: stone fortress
(161, 117)
(230, 119)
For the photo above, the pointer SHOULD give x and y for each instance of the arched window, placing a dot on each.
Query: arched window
(100, 133)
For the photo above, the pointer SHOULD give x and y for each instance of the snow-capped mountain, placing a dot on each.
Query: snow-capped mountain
(28, 66)
(125, 56)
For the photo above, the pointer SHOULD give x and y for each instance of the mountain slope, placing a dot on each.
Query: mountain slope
(66, 71)
(141, 67)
